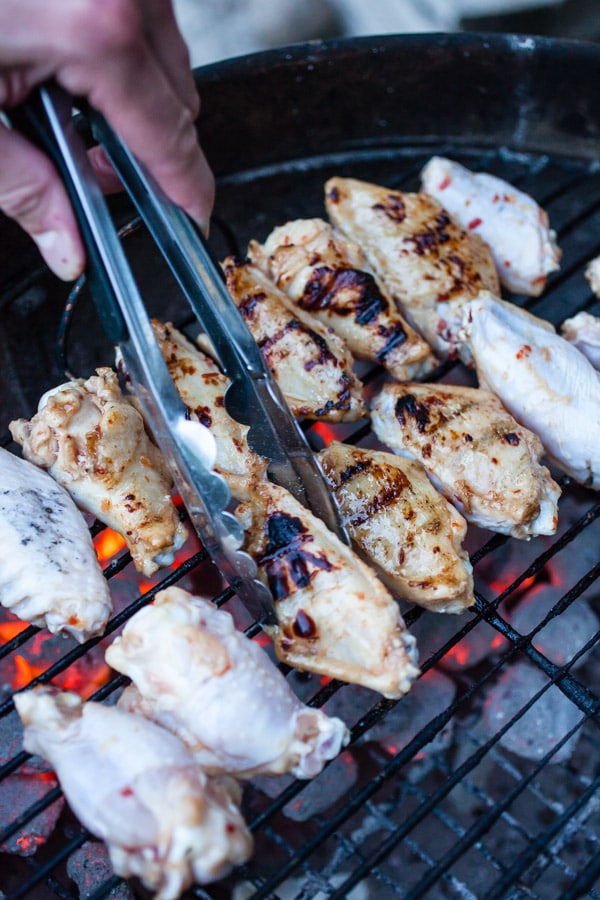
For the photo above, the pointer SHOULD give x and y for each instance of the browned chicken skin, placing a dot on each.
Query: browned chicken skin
(311, 365)
(326, 275)
(476, 454)
(401, 525)
(426, 261)
(334, 616)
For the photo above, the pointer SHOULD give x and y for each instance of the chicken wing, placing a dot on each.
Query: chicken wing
(201, 385)
(138, 788)
(93, 442)
(514, 227)
(476, 454)
(425, 260)
(49, 573)
(312, 366)
(334, 616)
(545, 382)
(326, 275)
(219, 692)
(592, 273)
(401, 525)
(583, 331)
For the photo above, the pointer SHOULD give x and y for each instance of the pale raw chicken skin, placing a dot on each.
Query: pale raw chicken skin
(327, 276)
(202, 386)
(424, 259)
(592, 273)
(93, 442)
(545, 382)
(334, 616)
(583, 331)
(311, 365)
(476, 453)
(136, 787)
(49, 572)
(218, 691)
(402, 526)
(513, 225)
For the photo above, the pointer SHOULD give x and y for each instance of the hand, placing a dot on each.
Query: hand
(128, 58)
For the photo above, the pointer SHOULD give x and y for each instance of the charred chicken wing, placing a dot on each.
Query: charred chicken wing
(326, 275)
(424, 259)
(476, 454)
(401, 525)
(312, 366)
(334, 616)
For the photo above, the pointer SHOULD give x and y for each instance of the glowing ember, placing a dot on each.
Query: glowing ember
(108, 543)
(10, 629)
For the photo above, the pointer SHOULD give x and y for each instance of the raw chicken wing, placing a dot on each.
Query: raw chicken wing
(425, 260)
(93, 442)
(334, 616)
(477, 455)
(219, 692)
(201, 385)
(49, 572)
(514, 227)
(401, 525)
(312, 366)
(545, 382)
(583, 331)
(139, 789)
(326, 276)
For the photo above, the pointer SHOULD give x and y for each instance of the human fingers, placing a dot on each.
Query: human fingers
(166, 40)
(32, 194)
(118, 71)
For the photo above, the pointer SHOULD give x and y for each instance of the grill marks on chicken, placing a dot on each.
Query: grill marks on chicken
(138, 788)
(401, 525)
(334, 616)
(425, 260)
(93, 442)
(476, 454)
(219, 692)
(326, 275)
(202, 386)
(312, 366)
(49, 573)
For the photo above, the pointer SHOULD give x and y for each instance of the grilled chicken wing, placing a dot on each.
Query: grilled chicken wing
(201, 385)
(219, 692)
(311, 365)
(49, 572)
(514, 227)
(326, 276)
(425, 260)
(583, 331)
(545, 382)
(477, 455)
(137, 787)
(401, 525)
(93, 442)
(334, 616)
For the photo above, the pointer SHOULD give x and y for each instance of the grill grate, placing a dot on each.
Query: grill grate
(469, 818)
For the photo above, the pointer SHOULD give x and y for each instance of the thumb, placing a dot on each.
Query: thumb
(32, 194)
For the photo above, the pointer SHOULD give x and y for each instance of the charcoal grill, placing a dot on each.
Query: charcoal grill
(422, 815)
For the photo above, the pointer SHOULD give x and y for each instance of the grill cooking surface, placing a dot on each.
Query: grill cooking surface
(432, 798)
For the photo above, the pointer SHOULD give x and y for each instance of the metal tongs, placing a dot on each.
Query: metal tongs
(253, 397)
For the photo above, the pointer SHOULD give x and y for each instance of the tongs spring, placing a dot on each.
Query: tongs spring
(253, 397)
